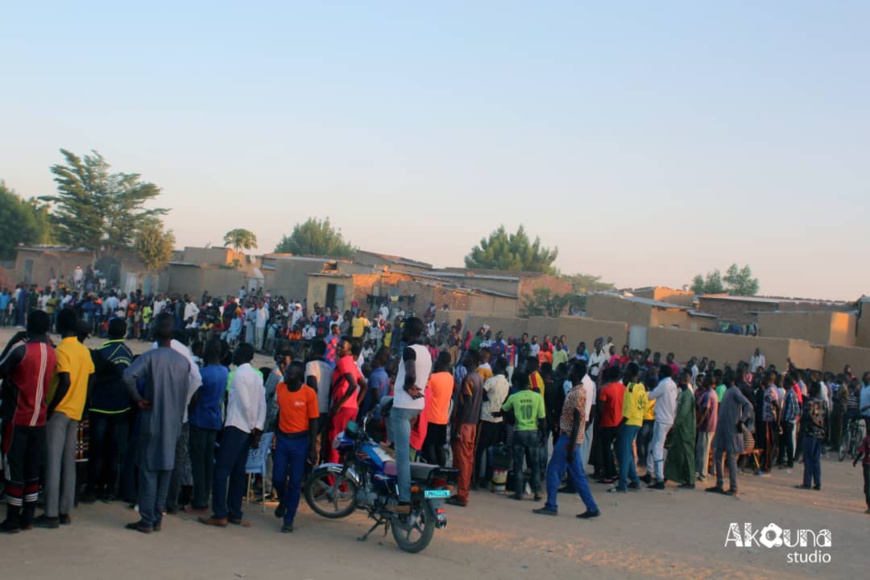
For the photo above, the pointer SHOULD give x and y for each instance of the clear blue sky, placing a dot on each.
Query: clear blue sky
(649, 141)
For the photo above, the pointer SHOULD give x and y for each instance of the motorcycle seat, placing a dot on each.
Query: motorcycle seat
(418, 470)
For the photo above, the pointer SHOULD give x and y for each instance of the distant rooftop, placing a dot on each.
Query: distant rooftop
(449, 273)
(646, 301)
(280, 256)
(768, 299)
(397, 260)
(481, 272)
(53, 249)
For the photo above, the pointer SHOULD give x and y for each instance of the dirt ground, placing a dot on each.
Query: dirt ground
(671, 533)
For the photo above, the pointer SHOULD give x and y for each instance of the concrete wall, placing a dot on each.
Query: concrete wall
(372, 259)
(844, 329)
(805, 355)
(290, 277)
(862, 339)
(614, 308)
(837, 357)
(737, 311)
(451, 316)
(317, 287)
(556, 285)
(575, 328)
(492, 305)
(816, 327)
(723, 348)
(672, 319)
(670, 295)
(510, 326)
(510, 287)
(48, 264)
(194, 280)
(219, 256)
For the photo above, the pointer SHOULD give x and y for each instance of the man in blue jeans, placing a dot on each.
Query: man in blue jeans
(566, 453)
(246, 415)
(408, 402)
(297, 440)
(634, 405)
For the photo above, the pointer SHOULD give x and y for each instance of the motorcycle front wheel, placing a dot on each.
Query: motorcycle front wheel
(415, 532)
(330, 495)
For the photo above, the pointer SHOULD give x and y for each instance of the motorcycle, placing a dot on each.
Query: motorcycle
(366, 479)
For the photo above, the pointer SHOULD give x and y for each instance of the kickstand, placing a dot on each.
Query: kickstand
(365, 536)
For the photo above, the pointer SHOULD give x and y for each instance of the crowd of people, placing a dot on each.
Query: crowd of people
(171, 429)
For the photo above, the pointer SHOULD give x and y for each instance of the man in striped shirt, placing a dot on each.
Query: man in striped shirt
(26, 366)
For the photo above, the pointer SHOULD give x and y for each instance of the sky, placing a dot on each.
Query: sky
(648, 141)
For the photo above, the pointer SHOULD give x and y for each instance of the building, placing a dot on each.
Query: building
(401, 291)
(287, 275)
(664, 294)
(41, 264)
(221, 271)
(745, 309)
(818, 328)
(644, 312)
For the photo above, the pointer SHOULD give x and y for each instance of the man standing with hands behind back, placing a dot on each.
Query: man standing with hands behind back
(165, 373)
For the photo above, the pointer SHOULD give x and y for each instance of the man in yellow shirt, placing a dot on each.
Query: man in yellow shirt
(359, 325)
(634, 407)
(71, 381)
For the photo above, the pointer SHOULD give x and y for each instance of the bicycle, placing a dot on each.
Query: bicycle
(852, 437)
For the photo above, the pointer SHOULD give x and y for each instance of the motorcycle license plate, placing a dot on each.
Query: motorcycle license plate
(436, 493)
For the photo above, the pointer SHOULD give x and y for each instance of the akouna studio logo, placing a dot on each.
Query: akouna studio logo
(809, 546)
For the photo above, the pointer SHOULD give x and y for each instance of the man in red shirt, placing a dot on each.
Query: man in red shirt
(348, 387)
(610, 415)
(26, 367)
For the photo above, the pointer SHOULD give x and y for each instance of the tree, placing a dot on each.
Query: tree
(585, 283)
(737, 282)
(314, 237)
(154, 245)
(512, 252)
(98, 210)
(23, 222)
(543, 302)
(240, 239)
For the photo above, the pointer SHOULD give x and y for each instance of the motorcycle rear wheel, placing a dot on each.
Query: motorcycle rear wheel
(416, 533)
(334, 501)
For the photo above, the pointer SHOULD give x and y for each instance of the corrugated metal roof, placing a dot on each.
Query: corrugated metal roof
(699, 314)
(767, 300)
(647, 301)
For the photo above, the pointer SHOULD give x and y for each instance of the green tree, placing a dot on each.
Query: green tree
(543, 302)
(240, 239)
(512, 252)
(737, 282)
(314, 237)
(96, 209)
(23, 222)
(154, 245)
(585, 283)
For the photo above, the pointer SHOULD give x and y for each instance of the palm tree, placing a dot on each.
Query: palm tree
(240, 239)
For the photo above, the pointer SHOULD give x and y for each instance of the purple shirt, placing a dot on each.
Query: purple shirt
(708, 400)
